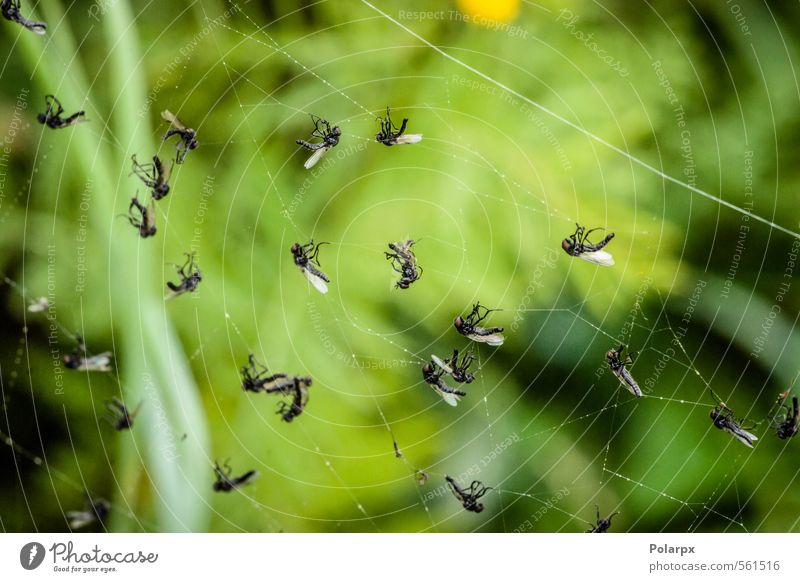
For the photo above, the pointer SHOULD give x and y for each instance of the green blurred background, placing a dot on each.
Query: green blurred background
(706, 91)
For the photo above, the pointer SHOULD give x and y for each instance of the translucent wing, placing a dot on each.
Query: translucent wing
(167, 171)
(494, 340)
(79, 519)
(439, 362)
(172, 119)
(744, 437)
(409, 138)
(451, 399)
(39, 305)
(627, 380)
(317, 281)
(315, 157)
(601, 258)
(98, 363)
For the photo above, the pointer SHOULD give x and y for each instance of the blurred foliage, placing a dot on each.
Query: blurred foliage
(489, 194)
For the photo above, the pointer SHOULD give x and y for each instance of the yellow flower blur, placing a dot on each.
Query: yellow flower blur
(490, 10)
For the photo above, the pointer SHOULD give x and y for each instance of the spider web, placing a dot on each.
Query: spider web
(562, 426)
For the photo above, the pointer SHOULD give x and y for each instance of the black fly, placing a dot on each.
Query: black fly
(80, 359)
(323, 131)
(10, 10)
(433, 377)
(52, 114)
(306, 258)
(724, 420)
(120, 417)
(404, 262)
(225, 483)
(155, 176)
(256, 378)
(298, 392)
(602, 525)
(188, 136)
(96, 510)
(468, 327)
(469, 497)
(145, 221)
(190, 276)
(458, 370)
(578, 245)
(390, 134)
(786, 421)
(618, 365)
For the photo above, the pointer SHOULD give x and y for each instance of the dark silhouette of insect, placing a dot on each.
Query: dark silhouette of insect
(404, 262)
(578, 245)
(256, 378)
(786, 420)
(225, 483)
(96, 510)
(145, 220)
(120, 417)
(298, 391)
(10, 11)
(468, 497)
(188, 136)
(154, 175)
(79, 359)
(433, 377)
(190, 276)
(457, 370)
(618, 365)
(390, 134)
(323, 131)
(602, 525)
(724, 420)
(468, 327)
(52, 114)
(306, 257)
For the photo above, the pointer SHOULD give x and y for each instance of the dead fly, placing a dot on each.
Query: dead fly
(10, 11)
(256, 378)
(404, 262)
(390, 134)
(578, 245)
(298, 391)
(225, 483)
(80, 359)
(40, 305)
(142, 217)
(602, 525)
(468, 497)
(787, 419)
(155, 176)
(458, 370)
(96, 510)
(329, 136)
(433, 377)
(724, 420)
(119, 416)
(52, 114)
(190, 276)
(468, 327)
(188, 136)
(306, 258)
(618, 365)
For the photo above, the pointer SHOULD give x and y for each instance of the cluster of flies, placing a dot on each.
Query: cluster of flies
(783, 418)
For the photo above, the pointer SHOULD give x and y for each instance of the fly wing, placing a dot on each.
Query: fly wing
(98, 363)
(317, 281)
(601, 258)
(627, 380)
(741, 435)
(173, 120)
(494, 340)
(451, 399)
(439, 362)
(315, 157)
(39, 305)
(409, 138)
(79, 519)
(167, 171)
